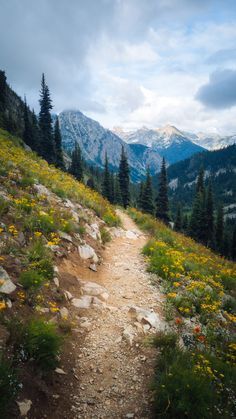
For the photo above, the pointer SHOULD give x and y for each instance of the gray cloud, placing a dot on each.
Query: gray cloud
(222, 56)
(220, 91)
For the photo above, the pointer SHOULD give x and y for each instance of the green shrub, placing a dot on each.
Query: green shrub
(165, 341)
(37, 250)
(8, 386)
(26, 181)
(42, 343)
(31, 279)
(105, 235)
(4, 207)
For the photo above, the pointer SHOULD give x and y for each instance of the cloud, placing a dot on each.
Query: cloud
(221, 56)
(220, 91)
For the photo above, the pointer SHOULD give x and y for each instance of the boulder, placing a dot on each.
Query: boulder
(84, 302)
(146, 317)
(94, 289)
(6, 284)
(87, 252)
(129, 334)
(131, 235)
(65, 236)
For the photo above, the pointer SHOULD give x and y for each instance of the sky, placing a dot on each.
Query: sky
(128, 63)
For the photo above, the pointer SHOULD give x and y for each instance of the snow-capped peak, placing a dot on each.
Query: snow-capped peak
(169, 130)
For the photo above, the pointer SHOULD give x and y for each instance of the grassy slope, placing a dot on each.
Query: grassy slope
(199, 381)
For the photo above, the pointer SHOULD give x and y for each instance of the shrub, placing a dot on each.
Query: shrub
(8, 386)
(42, 343)
(4, 207)
(26, 181)
(31, 279)
(37, 251)
(105, 235)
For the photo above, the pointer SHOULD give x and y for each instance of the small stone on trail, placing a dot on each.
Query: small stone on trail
(24, 407)
(6, 284)
(60, 371)
(93, 267)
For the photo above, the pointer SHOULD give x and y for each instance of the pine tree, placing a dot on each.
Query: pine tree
(209, 227)
(90, 183)
(117, 193)
(47, 146)
(59, 161)
(233, 245)
(195, 223)
(76, 167)
(185, 224)
(200, 181)
(140, 197)
(219, 229)
(147, 195)
(179, 219)
(112, 188)
(124, 178)
(3, 91)
(35, 132)
(28, 135)
(162, 202)
(106, 184)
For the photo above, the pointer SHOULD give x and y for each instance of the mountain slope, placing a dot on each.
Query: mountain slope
(95, 141)
(168, 141)
(220, 165)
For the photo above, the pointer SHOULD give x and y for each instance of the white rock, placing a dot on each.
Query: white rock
(84, 302)
(60, 371)
(146, 316)
(87, 252)
(93, 267)
(94, 289)
(24, 407)
(56, 282)
(129, 334)
(65, 236)
(131, 235)
(6, 284)
(68, 295)
(64, 312)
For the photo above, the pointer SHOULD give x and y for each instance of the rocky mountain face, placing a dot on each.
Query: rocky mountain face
(95, 141)
(168, 141)
(219, 165)
(213, 141)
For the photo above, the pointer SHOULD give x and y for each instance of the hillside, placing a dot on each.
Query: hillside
(95, 141)
(220, 165)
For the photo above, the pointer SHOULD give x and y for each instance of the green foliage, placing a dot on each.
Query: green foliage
(124, 178)
(42, 343)
(106, 184)
(146, 195)
(162, 203)
(46, 147)
(31, 279)
(105, 235)
(76, 167)
(59, 161)
(4, 206)
(8, 386)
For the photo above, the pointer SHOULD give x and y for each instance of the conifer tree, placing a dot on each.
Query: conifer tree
(106, 184)
(3, 89)
(195, 223)
(162, 202)
(36, 132)
(47, 146)
(117, 193)
(76, 167)
(147, 195)
(209, 227)
(112, 188)
(198, 220)
(179, 219)
(124, 178)
(28, 135)
(140, 197)
(233, 245)
(59, 161)
(90, 183)
(200, 181)
(219, 229)
(185, 224)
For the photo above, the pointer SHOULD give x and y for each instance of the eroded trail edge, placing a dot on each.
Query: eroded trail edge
(114, 366)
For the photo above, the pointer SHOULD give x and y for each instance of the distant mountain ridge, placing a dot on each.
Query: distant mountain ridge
(168, 141)
(95, 141)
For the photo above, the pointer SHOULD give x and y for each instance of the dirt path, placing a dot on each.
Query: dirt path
(115, 367)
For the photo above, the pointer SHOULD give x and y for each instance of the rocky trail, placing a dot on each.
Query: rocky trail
(113, 364)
